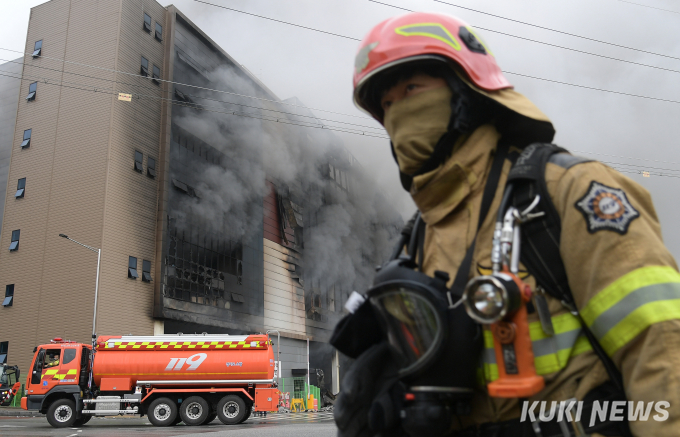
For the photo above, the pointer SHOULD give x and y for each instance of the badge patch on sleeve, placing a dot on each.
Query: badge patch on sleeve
(606, 208)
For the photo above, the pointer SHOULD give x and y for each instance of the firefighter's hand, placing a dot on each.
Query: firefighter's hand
(366, 404)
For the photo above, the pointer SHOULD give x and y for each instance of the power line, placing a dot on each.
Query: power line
(641, 167)
(628, 168)
(185, 84)
(554, 30)
(111, 91)
(626, 157)
(650, 7)
(190, 95)
(549, 44)
(278, 21)
(552, 80)
(593, 88)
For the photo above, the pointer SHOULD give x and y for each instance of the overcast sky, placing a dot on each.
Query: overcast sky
(317, 68)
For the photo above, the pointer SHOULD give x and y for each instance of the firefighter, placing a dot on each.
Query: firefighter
(434, 85)
(52, 360)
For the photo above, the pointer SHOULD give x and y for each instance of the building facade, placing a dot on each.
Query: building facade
(157, 147)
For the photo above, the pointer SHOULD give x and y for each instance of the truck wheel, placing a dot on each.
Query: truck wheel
(62, 413)
(194, 410)
(82, 421)
(249, 410)
(162, 412)
(231, 410)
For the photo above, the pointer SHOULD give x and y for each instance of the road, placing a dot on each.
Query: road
(274, 425)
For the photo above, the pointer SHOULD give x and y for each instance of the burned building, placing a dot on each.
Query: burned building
(217, 206)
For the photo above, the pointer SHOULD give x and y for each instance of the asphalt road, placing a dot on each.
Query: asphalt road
(274, 425)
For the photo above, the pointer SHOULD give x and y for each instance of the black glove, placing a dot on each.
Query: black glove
(366, 405)
(358, 331)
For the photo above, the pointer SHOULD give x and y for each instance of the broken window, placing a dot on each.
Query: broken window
(147, 23)
(4, 345)
(156, 75)
(146, 271)
(159, 32)
(9, 295)
(151, 167)
(180, 186)
(37, 49)
(185, 188)
(203, 273)
(14, 245)
(32, 88)
(138, 161)
(132, 268)
(145, 67)
(21, 188)
(181, 96)
(27, 138)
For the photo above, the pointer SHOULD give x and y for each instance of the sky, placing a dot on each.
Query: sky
(628, 132)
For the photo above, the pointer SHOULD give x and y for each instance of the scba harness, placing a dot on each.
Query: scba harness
(540, 255)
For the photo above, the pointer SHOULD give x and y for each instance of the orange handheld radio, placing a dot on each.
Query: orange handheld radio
(500, 300)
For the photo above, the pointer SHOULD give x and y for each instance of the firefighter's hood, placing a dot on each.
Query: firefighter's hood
(524, 123)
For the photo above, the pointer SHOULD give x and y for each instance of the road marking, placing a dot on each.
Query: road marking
(11, 426)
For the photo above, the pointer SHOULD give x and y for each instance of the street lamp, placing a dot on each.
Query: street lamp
(96, 287)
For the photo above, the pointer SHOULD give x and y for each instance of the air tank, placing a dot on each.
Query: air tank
(123, 362)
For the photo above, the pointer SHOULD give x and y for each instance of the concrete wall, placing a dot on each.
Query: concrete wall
(80, 176)
(10, 82)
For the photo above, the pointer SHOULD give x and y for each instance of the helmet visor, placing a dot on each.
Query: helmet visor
(412, 323)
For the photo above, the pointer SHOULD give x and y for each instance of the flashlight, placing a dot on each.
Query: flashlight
(488, 299)
(499, 300)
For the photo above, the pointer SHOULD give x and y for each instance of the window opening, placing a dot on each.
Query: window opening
(4, 345)
(51, 358)
(27, 138)
(180, 186)
(132, 268)
(69, 355)
(156, 75)
(9, 295)
(147, 23)
(138, 161)
(202, 269)
(146, 271)
(159, 32)
(151, 167)
(14, 245)
(144, 70)
(37, 49)
(21, 188)
(32, 88)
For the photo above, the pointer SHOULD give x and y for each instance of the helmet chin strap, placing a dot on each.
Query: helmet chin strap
(468, 112)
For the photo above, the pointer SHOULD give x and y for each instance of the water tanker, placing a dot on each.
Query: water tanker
(169, 378)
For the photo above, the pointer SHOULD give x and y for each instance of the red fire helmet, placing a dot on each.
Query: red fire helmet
(421, 36)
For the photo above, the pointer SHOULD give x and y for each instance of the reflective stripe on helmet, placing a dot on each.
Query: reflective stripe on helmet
(429, 30)
(631, 304)
(551, 353)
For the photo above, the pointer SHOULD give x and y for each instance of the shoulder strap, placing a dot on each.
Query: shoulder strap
(541, 236)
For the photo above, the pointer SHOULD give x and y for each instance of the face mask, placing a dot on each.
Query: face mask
(415, 124)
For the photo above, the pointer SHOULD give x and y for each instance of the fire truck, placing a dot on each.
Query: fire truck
(9, 383)
(168, 378)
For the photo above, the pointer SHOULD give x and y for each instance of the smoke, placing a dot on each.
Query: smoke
(346, 231)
